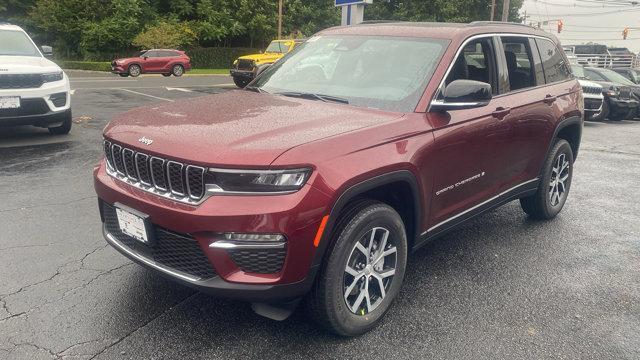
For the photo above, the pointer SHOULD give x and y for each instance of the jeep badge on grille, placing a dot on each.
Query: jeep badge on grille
(145, 141)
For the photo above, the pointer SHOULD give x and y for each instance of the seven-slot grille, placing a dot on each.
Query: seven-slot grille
(591, 90)
(154, 173)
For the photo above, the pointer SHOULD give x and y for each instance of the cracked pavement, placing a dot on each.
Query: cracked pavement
(500, 287)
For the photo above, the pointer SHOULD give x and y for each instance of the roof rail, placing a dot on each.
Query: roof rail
(486, 23)
(380, 21)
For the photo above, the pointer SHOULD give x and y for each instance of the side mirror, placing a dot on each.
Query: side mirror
(145, 57)
(463, 94)
(47, 51)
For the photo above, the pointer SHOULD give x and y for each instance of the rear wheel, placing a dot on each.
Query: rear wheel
(554, 186)
(240, 82)
(177, 70)
(64, 128)
(363, 270)
(135, 70)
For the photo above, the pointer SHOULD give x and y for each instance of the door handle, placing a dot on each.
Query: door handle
(501, 112)
(550, 99)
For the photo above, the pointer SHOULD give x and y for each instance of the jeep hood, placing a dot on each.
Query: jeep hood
(261, 58)
(27, 65)
(237, 128)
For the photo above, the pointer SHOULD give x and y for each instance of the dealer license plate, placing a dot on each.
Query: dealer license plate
(132, 225)
(9, 102)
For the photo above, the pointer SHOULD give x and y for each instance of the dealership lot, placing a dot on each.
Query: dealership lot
(501, 286)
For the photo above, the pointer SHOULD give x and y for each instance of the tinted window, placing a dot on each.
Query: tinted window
(475, 62)
(520, 67)
(381, 72)
(151, 53)
(553, 61)
(167, 53)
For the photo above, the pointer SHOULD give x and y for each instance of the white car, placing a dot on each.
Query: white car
(33, 89)
(591, 92)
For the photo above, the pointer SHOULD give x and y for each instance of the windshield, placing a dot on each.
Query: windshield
(615, 77)
(16, 43)
(578, 71)
(388, 73)
(277, 47)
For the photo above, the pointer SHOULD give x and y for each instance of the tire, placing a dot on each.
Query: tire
(604, 112)
(135, 70)
(123, 74)
(240, 82)
(166, 75)
(551, 196)
(347, 270)
(63, 129)
(177, 70)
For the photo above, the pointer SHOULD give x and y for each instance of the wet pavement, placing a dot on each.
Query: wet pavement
(501, 287)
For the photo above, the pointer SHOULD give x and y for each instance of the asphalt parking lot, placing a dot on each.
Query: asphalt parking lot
(501, 287)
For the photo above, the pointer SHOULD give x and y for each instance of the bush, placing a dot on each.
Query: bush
(216, 57)
(85, 65)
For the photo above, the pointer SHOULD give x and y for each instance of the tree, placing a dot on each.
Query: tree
(166, 34)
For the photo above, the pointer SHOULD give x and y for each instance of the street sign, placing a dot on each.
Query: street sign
(352, 2)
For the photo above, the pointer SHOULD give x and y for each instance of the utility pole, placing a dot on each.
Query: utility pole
(505, 10)
(493, 9)
(280, 19)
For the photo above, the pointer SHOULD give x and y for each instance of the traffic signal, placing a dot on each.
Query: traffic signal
(625, 33)
(560, 26)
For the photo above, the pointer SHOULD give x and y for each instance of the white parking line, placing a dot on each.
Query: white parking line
(177, 89)
(99, 80)
(151, 96)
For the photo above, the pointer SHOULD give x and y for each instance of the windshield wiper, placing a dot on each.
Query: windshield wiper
(255, 89)
(312, 96)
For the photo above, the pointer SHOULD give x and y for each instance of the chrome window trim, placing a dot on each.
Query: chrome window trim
(169, 177)
(440, 87)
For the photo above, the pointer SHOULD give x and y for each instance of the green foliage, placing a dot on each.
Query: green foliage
(216, 57)
(166, 35)
(98, 29)
(85, 65)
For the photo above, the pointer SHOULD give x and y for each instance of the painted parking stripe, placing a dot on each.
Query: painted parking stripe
(151, 96)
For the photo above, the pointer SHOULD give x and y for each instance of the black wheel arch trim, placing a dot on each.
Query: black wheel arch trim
(572, 120)
(355, 190)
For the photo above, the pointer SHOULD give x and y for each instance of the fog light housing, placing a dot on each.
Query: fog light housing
(59, 99)
(249, 241)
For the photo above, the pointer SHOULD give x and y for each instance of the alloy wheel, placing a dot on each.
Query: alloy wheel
(557, 183)
(369, 272)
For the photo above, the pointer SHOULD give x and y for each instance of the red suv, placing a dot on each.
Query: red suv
(156, 61)
(360, 146)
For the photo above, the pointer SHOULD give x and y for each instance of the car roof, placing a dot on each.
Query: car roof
(438, 30)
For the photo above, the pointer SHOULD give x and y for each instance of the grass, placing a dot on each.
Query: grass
(106, 66)
(209, 71)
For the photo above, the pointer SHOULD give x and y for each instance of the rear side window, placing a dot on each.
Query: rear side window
(167, 53)
(520, 66)
(553, 62)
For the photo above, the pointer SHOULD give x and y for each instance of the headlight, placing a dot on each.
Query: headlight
(119, 62)
(256, 181)
(613, 91)
(51, 77)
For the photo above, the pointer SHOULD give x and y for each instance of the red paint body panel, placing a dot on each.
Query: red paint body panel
(152, 65)
(343, 145)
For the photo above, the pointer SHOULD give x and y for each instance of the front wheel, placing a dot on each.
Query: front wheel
(64, 128)
(135, 70)
(363, 270)
(240, 82)
(554, 186)
(123, 74)
(177, 70)
(166, 75)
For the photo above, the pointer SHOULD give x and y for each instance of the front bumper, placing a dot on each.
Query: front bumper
(623, 104)
(37, 105)
(243, 74)
(297, 216)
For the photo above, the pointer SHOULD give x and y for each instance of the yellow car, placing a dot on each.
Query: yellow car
(245, 68)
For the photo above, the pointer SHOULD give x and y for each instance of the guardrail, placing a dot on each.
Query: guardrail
(609, 61)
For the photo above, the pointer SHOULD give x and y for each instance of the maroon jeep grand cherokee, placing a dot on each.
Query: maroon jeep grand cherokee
(358, 147)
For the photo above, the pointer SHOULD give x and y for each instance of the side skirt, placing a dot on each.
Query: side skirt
(525, 189)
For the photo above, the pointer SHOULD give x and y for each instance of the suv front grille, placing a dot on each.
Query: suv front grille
(591, 90)
(179, 252)
(259, 261)
(168, 178)
(20, 81)
(244, 64)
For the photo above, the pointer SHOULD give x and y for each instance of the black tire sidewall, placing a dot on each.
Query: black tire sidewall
(561, 146)
(344, 321)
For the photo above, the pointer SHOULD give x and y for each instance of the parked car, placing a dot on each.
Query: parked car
(591, 92)
(33, 89)
(245, 68)
(156, 61)
(631, 74)
(591, 54)
(621, 95)
(316, 182)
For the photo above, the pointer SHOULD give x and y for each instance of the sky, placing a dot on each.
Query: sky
(599, 21)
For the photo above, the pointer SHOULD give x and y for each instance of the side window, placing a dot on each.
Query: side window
(151, 54)
(475, 62)
(520, 66)
(553, 61)
(592, 75)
